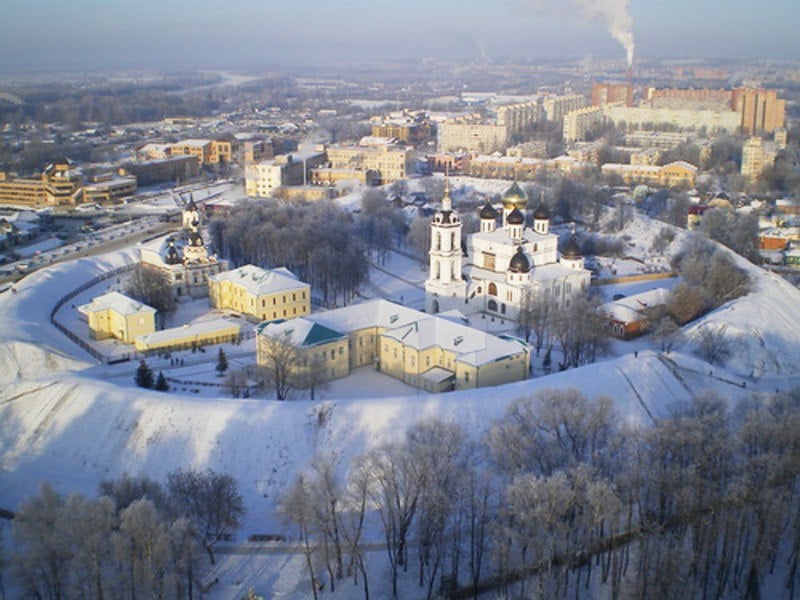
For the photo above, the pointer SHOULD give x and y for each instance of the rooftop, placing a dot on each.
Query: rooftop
(119, 303)
(220, 326)
(260, 281)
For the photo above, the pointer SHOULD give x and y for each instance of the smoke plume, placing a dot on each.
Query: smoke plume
(611, 13)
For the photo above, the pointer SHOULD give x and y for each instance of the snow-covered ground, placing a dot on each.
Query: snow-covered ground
(65, 419)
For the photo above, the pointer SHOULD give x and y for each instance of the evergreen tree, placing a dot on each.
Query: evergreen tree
(222, 362)
(144, 375)
(161, 383)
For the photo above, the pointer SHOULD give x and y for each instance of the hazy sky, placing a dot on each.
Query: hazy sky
(49, 35)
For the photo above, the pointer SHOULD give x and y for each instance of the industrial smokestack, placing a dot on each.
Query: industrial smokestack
(611, 13)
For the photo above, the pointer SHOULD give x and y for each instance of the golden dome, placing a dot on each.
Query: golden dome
(515, 197)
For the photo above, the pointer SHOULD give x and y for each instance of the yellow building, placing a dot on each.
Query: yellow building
(555, 107)
(59, 184)
(389, 160)
(115, 315)
(404, 125)
(675, 174)
(471, 134)
(437, 354)
(199, 148)
(263, 294)
(519, 117)
(330, 177)
(434, 353)
(577, 123)
(195, 335)
(223, 149)
(308, 345)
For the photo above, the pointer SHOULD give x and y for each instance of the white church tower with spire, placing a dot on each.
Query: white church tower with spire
(445, 288)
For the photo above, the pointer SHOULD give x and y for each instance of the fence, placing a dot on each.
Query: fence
(99, 356)
(634, 278)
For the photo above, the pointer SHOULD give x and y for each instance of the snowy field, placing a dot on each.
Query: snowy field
(66, 419)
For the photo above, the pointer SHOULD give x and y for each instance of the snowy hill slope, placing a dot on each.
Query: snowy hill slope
(763, 326)
(75, 432)
(29, 345)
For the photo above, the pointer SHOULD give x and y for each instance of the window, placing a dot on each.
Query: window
(333, 353)
(303, 296)
(294, 297)
(488, 261)
(503, 308)
(466, 377)
(492, 289)
(294, 310)
(492, 305)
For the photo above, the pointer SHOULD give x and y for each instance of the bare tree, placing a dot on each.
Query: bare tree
(713, 345)
(152, 287)
(125, 490)
(310, 374)
(295, 508)
(211, 501)
(438, 452)
(419, 236)
(88, 525)
(142, 551)
(41, 563)
(353, 523)
(667, 334)
(236, 382)
(395, 491)
(278, 360)
(535, 318)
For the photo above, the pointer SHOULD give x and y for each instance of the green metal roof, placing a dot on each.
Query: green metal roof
(319, 334)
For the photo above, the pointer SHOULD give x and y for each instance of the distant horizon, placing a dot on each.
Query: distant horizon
(92, 35)
(287, 67)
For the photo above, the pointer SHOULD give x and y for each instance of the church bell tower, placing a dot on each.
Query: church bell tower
(445, 287)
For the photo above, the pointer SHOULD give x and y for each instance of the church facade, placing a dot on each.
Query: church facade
(504, 262)
(185, 260)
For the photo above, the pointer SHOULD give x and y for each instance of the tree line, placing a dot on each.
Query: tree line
(563, 498)
(137, 539)
(319, 242)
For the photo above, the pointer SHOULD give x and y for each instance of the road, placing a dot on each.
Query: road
(123, 241)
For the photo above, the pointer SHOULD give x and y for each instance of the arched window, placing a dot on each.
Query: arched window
(492, 305)
(435, 306)
(503, 308)
(493, 290)
(438, 241)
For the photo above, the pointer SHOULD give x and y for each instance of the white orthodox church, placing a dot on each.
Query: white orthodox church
(503, 264)
(185, 259)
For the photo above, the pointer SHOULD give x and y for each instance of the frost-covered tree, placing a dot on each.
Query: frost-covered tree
(210, 501)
